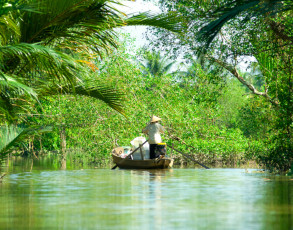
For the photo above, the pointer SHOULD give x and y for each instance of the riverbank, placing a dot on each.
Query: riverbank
(78, 160)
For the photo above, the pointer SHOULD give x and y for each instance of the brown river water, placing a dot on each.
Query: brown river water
(43, 197)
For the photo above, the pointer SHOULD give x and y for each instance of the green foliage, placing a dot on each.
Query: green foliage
(230, 32)
(192, 108)
(231, 102)
(48, 47)
(256, 118)
(39, 53)
(64, 48)
(279, 155)
(243, 10)
(154, 64)
(12, 135)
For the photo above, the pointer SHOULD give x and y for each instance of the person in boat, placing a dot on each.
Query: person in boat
(154, 130)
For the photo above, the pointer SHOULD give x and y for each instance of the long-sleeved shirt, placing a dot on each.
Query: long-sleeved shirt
(154, 130)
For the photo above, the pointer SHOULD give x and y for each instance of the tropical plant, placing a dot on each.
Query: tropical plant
(50, 45)
(12, 135)
(246, 11)
(228, 33)
(155, 64)
(273, 52)
(190, 114)
(53, 47)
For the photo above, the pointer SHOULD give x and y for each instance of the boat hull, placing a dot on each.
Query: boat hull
(158, 163)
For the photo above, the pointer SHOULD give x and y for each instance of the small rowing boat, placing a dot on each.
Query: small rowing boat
(125, 161)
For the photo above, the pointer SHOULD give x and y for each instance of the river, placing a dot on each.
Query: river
(178, 198)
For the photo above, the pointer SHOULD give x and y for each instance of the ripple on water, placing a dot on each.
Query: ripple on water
(145, 199)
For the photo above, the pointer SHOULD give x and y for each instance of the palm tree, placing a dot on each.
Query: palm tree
(154, 64)
(52, 45)
(49, 47)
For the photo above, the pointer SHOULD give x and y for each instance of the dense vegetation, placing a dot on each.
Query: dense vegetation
(210, 106)
(202, 117)
(51, 48)
(229, 33)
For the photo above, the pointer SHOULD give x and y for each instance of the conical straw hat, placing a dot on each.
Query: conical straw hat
(154, 119)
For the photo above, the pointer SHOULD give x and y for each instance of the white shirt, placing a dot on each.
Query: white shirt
(154, 130)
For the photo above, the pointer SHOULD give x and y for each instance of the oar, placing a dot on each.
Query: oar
(130, 154)
(185, 155)
(180, 140)
(2, 176)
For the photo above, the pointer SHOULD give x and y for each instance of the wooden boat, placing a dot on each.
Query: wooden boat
(126, 163)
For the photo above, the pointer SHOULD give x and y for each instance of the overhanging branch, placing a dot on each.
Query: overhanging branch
(236, 74)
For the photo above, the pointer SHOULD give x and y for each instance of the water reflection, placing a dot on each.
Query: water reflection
(152, 197)
(279, 206)
(144, 199)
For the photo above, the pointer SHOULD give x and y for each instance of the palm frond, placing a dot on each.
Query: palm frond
(10, 89)
(168, 67)
(44, 48)
(8, 6)
(266, 64)
(246, 9)
(36, 59)
(89, 88)
(6, 107)
(71, 19)
(8, 29)
(155, 64)
(11, 135)
(8, 83)
(89, 23)
(171, 21)
(107, 94)
(8, 25)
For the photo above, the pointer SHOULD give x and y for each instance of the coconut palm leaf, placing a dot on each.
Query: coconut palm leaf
(43, 77)
(11, 105)
(8, 29)
(90, 23)
(8, 83)
(46, 47)
(58, 18)
(244, 10)
(11, 135)
(9, 25)
(74, 24)
(171, 21)
(10, 89)
(155, 64)
(6, 107)
(43, 61)
(8, 6)
(168, 67)
(107, 94)
(89, 88)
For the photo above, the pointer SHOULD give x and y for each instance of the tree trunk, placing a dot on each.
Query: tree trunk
(63, 139)
(63, 147)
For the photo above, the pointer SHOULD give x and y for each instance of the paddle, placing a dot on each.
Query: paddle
(1, 177)
(130, 154)
(185, 155)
